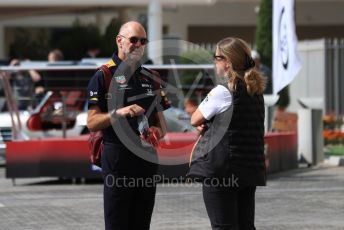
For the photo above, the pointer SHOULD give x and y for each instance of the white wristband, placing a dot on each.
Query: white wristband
(113, 115)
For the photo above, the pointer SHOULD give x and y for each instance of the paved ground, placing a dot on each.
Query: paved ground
(299, 199)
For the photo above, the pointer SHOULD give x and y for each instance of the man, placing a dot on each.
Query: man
(132, 100)
(55, 55)
(26, 84)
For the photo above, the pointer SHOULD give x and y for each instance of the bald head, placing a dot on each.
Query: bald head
(131, 29)
(131, 41)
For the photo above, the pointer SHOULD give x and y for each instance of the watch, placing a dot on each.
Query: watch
(113, 115)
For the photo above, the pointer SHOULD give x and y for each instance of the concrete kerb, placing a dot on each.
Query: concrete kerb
(334, 161)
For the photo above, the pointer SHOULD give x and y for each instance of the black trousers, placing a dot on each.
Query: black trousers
(129, 193)
(230, 208)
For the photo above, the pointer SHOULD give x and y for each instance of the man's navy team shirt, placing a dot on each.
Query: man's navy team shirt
(139, 89)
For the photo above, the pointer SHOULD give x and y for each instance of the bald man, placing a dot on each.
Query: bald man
(130, 116)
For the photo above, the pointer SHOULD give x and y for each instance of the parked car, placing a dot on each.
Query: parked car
(48, 118)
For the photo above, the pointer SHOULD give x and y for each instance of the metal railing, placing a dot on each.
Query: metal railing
(334, 78)
(11, 101)
(205, 70)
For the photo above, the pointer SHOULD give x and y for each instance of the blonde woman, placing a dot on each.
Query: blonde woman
(229, 157)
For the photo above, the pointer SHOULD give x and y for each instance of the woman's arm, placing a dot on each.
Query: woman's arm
(197, 118)
(218, 100)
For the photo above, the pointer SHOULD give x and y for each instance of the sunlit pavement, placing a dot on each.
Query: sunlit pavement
(299, 199)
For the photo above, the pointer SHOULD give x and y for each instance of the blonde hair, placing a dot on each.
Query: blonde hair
(238, 54)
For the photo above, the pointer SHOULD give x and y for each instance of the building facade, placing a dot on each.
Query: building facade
(203, 21)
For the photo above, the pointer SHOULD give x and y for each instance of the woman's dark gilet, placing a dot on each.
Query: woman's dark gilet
(233, 144)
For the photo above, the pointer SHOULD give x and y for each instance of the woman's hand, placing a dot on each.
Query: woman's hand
(202, 128)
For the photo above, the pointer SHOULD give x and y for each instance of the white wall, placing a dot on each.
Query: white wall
(58, 20)
(244, 13)
(179, 18)
(319, 13)
(310, 82)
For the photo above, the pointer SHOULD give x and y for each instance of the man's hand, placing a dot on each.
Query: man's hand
(153, 135)
(157, 132)
(131, 110)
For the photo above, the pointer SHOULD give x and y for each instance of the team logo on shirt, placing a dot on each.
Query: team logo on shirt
(93, 93)
(144, 79)
(207, 98)
(150, 92)
(120, 79)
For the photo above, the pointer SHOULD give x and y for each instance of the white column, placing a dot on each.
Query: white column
(2, 42)
(155, 31)
(100, 22)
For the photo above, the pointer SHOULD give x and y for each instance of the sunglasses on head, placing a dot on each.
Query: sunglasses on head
(135, 40)
(218, 57)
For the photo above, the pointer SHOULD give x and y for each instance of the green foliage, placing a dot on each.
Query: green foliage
(108, 44)
(74, 42)
(28, 45)
(193, 56)
(284, 99)
(264, 44)
(264, 32)
(335, 150)
(78, 40)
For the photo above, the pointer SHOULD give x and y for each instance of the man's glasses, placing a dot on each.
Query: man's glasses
(134, 40)
(218, 57)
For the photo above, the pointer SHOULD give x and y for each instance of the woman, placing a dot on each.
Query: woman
(229, 157)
